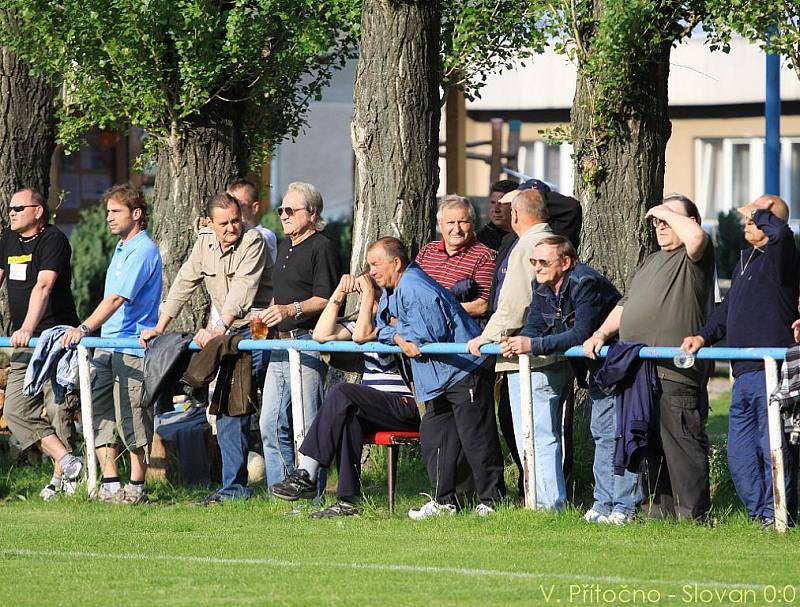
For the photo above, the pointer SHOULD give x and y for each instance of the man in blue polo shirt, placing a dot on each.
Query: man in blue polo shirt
(458, 390)
(130, 303)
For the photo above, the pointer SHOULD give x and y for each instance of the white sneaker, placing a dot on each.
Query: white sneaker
(431, 508)
(68, 487)
(483, 510)
(593, 516)
(619, 518)
(104, 494)
(49, 492)
(71, 467)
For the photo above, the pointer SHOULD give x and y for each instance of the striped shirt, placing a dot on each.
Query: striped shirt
(380, 371)
(475, 261)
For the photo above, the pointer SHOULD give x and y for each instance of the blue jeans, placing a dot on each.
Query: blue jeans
(275, 422)
(232, 440)
(612, 493)
(748, 445)
(547, 384)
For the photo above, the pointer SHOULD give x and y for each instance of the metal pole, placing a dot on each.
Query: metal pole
(87, 419)
(776, 445)
(528, 448)
(298, 411)
(772, 116)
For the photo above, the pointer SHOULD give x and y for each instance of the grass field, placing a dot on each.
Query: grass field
(76, 552)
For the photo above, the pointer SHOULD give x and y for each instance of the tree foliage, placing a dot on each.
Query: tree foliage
(616, 45)
(773, 24)
(160, 63)
(482, 36)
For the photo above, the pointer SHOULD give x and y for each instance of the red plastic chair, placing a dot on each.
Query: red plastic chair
(393, 440)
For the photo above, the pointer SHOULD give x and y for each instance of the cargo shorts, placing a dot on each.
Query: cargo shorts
(24, 413)
(118, 401)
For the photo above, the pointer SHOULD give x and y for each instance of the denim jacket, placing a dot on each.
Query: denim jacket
(428, 313)
(558, 322)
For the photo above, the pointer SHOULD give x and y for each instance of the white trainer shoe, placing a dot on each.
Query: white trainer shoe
(619, 518)
(431, 508)
(593, 516)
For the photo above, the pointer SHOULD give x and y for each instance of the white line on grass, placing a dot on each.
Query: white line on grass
(387, 567)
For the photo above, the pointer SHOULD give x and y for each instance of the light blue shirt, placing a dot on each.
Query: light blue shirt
(135, 274)
(428, 313)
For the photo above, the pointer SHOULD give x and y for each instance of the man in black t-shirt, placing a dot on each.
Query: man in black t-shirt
(35, 263)
(306, 273)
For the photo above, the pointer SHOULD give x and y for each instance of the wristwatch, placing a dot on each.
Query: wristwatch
(298, 311)
(222, 323)
(84, 329)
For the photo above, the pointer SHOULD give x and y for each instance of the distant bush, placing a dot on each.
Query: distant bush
(92, 247)
(729, 242)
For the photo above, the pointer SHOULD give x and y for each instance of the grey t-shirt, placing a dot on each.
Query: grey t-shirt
(668, 300)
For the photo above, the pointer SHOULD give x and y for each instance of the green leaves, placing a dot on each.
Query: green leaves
(160, 64)
(772, 24)
(482, 36)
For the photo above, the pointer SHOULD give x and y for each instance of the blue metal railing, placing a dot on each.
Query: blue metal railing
(444, 348)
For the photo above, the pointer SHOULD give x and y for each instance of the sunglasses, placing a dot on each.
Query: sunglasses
(288, 210)
(545, 263)
(18, 208)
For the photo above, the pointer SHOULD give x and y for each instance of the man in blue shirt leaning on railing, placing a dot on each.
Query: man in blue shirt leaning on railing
(458, 390)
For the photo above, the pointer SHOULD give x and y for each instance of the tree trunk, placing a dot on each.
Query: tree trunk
(27, 140)
(619, 179)
(395, 128)
(192, 166)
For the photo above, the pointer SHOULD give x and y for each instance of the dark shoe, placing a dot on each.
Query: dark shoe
(214, 499)
(295, 486)
(338, 509)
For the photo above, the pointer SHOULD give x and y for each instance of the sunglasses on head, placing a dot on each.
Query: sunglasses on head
(288, 210)
(18, 208)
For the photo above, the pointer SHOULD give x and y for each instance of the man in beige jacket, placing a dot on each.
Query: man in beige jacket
(232, 262)
(529, 222)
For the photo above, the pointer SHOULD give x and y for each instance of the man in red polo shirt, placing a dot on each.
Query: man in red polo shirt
(459, 262)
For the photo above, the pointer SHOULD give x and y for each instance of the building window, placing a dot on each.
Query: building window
(730, 173)
(550, 163)
(790, 174)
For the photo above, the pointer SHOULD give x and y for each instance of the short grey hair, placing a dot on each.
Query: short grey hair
(313, 200)
(531, 202)
(453, 201)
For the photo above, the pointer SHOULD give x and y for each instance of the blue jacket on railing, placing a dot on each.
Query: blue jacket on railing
(428, 313)
(557, 322)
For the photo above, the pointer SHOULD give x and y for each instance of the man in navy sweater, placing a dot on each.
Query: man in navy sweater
(758, 312)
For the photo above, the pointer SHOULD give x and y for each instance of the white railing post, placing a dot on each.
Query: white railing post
(775, 425)
(528, 454)
(298, 410)
(87, 419)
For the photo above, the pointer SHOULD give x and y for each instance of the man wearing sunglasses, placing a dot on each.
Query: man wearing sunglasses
(570, 300)
(305, 276)
(35, 263)
(667, 300)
